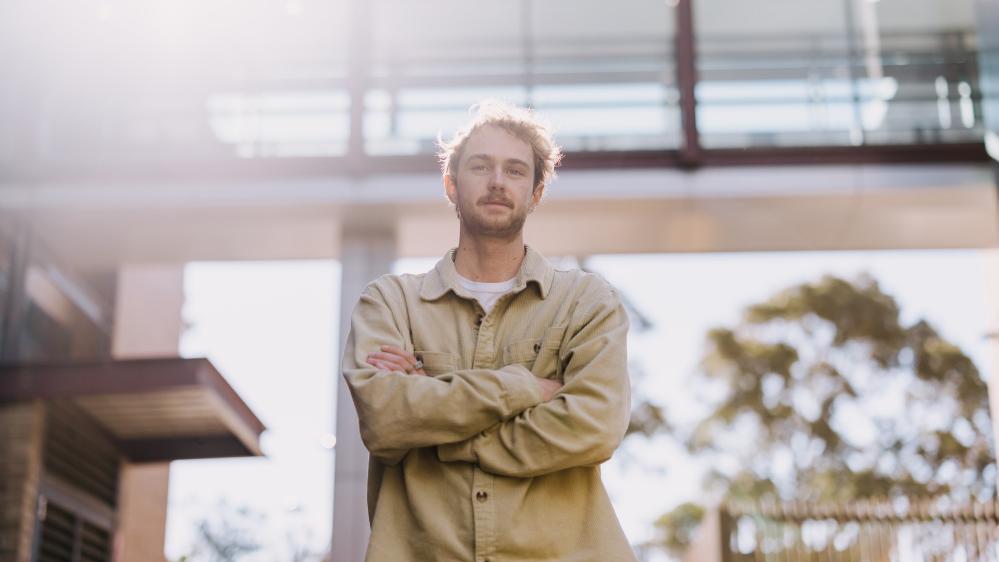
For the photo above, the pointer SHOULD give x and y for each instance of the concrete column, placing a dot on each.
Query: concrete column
(365, 254)
(991, 257)
(147, 323)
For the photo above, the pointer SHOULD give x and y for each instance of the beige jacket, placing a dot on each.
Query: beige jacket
(469, 463)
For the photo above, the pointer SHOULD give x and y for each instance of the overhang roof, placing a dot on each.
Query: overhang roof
(158, 409)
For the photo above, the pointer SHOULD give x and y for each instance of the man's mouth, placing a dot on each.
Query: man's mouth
(497, 202)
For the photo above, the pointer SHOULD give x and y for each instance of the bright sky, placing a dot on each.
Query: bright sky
(270, 327)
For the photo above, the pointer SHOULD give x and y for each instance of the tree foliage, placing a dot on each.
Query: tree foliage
(228, 536)
(232, 533)
(823, 393)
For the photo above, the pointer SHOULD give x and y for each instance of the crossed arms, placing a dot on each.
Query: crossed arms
(502, 419)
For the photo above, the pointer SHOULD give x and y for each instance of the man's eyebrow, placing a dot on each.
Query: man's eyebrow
(490, 159)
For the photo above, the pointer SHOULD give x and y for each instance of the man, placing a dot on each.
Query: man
(490, 389)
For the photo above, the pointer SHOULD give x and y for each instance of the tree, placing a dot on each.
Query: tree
(822, 393)
(227, 536)
(231, 533)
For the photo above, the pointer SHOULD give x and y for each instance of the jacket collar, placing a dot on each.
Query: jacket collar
(443, 277)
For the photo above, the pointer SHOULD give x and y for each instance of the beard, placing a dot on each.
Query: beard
(476, 219)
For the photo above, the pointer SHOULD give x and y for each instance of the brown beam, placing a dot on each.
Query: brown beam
(969, 153)
(686, 79)
(236, 170)
(181, 448)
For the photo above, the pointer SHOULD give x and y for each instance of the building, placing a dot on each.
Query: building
(94, 404)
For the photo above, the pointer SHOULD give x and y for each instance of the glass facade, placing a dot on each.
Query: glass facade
(848, 72)
(607, 86)
(988, 31)
(41, 318)
(193, 82)
(160, 82)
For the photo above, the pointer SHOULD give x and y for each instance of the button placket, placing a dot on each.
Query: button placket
(483, 500)
(484, 514)
(483, 354)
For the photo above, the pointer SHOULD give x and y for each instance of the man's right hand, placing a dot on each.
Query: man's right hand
(549, 387)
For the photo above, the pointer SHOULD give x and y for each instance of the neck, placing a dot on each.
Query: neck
(488, 260)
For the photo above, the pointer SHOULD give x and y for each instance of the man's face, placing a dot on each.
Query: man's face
(493, 190)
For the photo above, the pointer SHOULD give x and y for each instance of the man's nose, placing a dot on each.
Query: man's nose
(497, 179)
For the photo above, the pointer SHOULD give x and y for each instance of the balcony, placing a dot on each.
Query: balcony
(348, 88)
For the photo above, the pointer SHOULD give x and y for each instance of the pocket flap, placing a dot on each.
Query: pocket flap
(437, 361)
(553, 337)
(521, 351)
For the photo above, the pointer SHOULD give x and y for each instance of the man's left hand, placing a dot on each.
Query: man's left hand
(392, 358)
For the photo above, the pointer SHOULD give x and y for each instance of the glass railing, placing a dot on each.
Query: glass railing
(610, 93)
(808, 90)
(606, 94)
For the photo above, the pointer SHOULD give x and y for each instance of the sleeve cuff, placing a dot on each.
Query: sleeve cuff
(522, 390)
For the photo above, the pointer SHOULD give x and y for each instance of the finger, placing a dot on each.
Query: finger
(376, 364)
(388, 365)
(400, 352)
(391, 357)
(394, 359)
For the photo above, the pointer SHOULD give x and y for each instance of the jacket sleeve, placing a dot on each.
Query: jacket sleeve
(398, 411)
(586, 420)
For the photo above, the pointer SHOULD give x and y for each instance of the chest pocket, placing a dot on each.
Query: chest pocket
(541, 356)
(437, 362)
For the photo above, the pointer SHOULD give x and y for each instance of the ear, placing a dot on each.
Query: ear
(450, 189)
(539, 191)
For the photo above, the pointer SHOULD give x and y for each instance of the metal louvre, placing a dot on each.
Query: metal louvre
(58, 529)
(65, 537)
(95, 543)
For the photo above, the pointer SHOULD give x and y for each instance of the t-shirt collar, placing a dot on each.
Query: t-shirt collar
(443, 278)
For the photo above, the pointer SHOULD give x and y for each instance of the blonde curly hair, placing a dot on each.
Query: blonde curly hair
(521, 122)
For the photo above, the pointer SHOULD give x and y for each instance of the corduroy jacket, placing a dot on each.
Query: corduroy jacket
(469, 463)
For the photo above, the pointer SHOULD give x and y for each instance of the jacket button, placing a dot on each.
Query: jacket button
(478, 320)
(537, 347)
(481, 495)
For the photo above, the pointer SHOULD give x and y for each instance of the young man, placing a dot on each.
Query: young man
(490, 389)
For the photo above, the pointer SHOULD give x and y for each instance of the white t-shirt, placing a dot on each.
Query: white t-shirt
(487, 293)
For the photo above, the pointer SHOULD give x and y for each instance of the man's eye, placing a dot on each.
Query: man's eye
(516, 172)
(478, 167)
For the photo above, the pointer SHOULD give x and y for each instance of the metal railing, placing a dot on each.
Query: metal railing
(898, 530)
